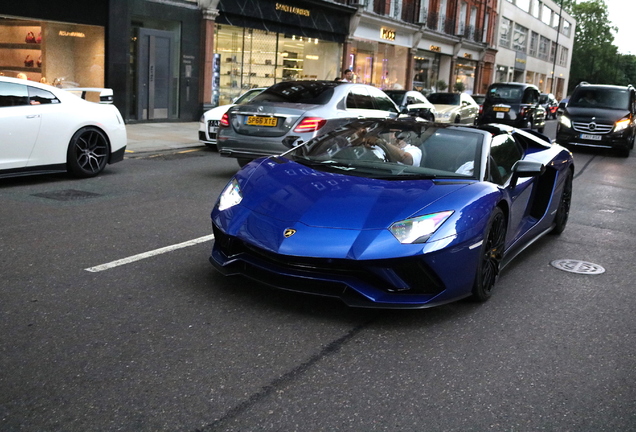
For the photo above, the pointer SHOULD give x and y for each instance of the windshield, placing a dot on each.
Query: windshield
(444, 98)
(396, 96)
(248, 96)
(302, 92)
(600, 98)
(395, 150)
(479, 98)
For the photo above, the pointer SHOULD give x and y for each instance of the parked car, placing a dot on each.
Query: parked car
(599, 116)
(291, 112)
(550, 104)
(454, 107)
(414, 102)
(479, 99)
(343, 216)
(44, 129)
(514, 104)
(209, 122)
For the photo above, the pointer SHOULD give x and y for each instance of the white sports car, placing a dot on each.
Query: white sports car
(209, 122)
(45, 129)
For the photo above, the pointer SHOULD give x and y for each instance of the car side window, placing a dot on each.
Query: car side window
(359, 98)
(530, 96)
(12, 94)
(504, 151)
(381, 101)
(38, 96)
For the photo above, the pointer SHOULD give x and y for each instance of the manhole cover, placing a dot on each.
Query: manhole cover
(578, 266)
(67, 195)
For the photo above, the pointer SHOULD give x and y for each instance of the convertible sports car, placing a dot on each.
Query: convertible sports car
(350, 215)
(45, 129)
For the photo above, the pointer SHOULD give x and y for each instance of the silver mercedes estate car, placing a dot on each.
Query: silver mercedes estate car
(292, 112)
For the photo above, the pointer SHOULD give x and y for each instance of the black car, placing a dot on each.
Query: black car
(550, 104)
(514, 104)
(599, 116)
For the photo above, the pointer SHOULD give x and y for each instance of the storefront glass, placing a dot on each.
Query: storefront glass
(63, 54)
(465, 73)
(379, 64)
(251, 58)
(426, 72)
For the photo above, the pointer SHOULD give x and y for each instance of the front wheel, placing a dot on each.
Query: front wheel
(87, 153)
(563, 212)
(492, 251)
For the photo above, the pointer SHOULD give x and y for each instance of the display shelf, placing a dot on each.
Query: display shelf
(21, 69)
(27, 46)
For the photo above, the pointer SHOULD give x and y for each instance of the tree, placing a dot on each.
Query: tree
(595, 58)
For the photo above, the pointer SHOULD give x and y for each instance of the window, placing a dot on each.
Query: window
(567, 28)
(544, 44)
(524, 5)
(38, 96)
(359, 98)
(520, 38)
(504, 36)
(534, 44)
(504, 152)
(553, 49)
(12, 94)
(563, 56)
(381, 101)
(536, 8)
(546, 15)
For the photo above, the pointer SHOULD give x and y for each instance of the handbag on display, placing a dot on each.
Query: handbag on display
(28, 61)
(39, 62)
(30, 38)
(39, 38)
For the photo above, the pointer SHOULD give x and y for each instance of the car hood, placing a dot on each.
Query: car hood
(291, 192)
(441, 109)
(596, 114)
(216, 113)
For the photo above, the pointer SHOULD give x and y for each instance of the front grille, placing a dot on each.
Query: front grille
(591, 127)
(213, 124)
(409, 276)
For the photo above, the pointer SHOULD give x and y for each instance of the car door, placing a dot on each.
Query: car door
(19, 125)
(504, 153)
(469, 109)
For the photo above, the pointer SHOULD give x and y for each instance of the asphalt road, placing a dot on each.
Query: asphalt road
(164, 343)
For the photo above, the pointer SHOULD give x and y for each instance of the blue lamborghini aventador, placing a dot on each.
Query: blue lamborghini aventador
(393, 213)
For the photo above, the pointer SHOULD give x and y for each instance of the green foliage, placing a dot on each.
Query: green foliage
(441, 85)
(595, 58)
(459, 87)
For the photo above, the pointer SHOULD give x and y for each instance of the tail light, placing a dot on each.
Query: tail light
(225, 120)
(481, 109)
(310, 124)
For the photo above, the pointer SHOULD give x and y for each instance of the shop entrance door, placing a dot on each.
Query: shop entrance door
(154, 74)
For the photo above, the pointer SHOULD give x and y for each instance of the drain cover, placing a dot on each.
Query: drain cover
(67, 195)
(578, 266)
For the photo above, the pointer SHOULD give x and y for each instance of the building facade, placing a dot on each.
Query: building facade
(535, 44)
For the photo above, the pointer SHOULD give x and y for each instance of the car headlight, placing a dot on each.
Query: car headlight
(621, 124)
(202, 119)
(230, 196)
(565, 121)
(418, 229)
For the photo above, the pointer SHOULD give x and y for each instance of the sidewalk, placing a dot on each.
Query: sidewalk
(143, 137)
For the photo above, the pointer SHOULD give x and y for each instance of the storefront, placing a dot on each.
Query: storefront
(426, 70)
(259, 43)
(465, 70)
(379, 55)
(54, 43)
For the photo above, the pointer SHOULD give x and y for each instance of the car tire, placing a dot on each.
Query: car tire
(563, 212)
(458, 119)
(527, 125)
(87, 153)
(243, 161)
(491, 255)
(541, 129)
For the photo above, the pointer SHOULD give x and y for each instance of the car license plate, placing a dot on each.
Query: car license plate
(591, 137)
(500, 115)
(212, 129)
(501, 109)
(262, 121)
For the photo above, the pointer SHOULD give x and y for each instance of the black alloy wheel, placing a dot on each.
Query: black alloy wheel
(87, 153)
(563, 212)
(492, 251)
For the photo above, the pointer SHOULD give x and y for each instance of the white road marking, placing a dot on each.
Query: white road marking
(149, 254)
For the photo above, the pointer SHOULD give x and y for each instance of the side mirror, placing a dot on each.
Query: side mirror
(525, 169)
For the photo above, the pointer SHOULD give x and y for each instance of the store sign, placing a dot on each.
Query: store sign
(292, 9)
(468, 56)
(387, 34)
(71, 34)
(435, 48)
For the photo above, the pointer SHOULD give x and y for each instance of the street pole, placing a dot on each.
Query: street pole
(556, 51)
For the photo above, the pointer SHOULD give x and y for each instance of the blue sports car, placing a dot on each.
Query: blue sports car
(393, 213)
